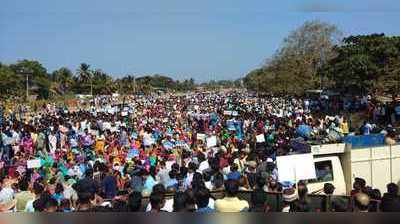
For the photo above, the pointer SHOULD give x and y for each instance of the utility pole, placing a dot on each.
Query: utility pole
(91, 86)
(134, 85)
(27, 86)
(26, 72)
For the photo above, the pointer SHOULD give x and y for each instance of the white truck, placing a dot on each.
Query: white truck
(339, 164)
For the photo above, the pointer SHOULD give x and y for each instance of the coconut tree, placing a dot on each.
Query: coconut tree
(85, 75)
(63, 78)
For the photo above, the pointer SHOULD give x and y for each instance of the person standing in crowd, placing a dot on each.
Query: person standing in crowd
(289, 198)
(203, 201)
(332, 203)
(358, 186)
(231, 203)
(361, 202)
(95, 158)
(258, 198)
(7, 192)
(366, 128)
(135, 202)
(38, 190)
(391, 199)
(162, 174)
(344, 126)
(109, 185)
(157, 201)
(23, 196)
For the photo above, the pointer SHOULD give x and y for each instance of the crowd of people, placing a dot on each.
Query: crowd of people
(109, 154)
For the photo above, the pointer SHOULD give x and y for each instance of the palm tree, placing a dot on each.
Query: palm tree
(85, 75)
(63, 78)
(101, 82)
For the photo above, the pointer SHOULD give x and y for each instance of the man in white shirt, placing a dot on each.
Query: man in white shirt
(6, 192)
(204, 166)
(163, 174)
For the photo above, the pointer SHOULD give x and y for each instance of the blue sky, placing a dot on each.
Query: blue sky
(207, 39)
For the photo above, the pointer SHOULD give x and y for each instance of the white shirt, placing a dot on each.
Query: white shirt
(209, 185)
(189, 179)
(203, 166)
(6, 195)
(286, 209)
(168, 206)
(70, 193)
(147, 139)
(15, 137)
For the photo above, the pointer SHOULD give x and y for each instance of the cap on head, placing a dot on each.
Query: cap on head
(289, 195)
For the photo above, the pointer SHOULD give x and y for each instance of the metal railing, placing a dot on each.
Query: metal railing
(316, 202)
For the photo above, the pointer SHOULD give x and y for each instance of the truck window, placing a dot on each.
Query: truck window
(323, 171)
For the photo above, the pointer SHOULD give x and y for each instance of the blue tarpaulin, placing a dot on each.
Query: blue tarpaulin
(304, 130)
(300, 146)
(365, 141)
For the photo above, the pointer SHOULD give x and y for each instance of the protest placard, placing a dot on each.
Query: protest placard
(168, 145)
(227, 112)
(211, 141)
(33, 163)
(296, 167)
(201, 136)
(260, 138)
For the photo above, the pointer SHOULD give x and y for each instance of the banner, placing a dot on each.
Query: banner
(33, 163)
(296, 167)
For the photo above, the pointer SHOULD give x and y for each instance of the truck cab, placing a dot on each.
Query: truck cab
(328, 168)
(339, 164)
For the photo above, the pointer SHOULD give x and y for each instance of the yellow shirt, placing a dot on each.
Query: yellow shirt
(34, 137)
(345, 127)
(229, 204)
(100, 146)
(22, 198)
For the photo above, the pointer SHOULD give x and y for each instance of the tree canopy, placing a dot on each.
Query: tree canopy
(366, 63)
(85, 80)
(314, 56)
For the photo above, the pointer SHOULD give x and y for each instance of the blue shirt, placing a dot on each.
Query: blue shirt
(234, 175)
(205, 210)
(172, 183)
(110, 186)
(149, 183)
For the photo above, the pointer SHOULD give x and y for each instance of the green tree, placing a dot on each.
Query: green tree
(85, 76)
(102, 83)
(64, 79)
(366, 63)
(10, 83)
(294, 67)
(39, 80)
